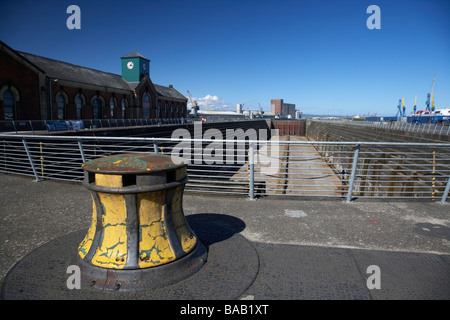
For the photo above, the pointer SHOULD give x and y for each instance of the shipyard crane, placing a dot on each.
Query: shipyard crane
(194, 105)
(430, 95)
(401, 112)
(261, 111)
(432, 102)
(403, 107)
(415, 105)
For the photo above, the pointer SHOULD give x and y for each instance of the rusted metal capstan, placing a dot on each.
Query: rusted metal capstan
(139, 237)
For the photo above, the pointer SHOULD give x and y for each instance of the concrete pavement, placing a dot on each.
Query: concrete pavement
(305, 249)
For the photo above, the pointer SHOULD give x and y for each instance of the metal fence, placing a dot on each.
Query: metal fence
(430, 128)
(282, 166)
(36, 126)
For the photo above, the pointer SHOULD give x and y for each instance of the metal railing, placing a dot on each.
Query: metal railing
(278, 167)
(34, 126)
(40, 126)
(430, 128)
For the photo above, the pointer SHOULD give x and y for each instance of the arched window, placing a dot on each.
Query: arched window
(97, 107)
(112, 105)
(124, 108)
(146, 106)
(8, 105)
(79, 107)
(61, 107)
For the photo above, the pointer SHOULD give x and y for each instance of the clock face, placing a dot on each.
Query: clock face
(130, 65)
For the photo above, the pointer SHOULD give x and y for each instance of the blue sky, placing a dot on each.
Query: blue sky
(319, 54)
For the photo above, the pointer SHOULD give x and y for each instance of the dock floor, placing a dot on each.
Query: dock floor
(297, 170)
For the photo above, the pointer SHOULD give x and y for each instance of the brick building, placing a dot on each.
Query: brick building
(29, 82)
(281, 109)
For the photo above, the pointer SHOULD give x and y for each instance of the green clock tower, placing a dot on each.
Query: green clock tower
(134, 66)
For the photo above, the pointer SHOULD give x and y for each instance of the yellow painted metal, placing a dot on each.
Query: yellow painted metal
(85, 245)
(154, 245)
(112, 249)
(184, 234)
(432, 102)
(108, 180)
(160, 224)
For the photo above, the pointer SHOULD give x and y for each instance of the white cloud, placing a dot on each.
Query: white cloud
(210, 102)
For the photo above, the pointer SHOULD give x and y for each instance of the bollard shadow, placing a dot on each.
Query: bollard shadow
(212, 227)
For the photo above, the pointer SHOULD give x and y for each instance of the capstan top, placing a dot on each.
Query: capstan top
(134, 163)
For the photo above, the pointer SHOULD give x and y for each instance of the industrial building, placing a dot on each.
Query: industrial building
(281, 109)
(38, 88)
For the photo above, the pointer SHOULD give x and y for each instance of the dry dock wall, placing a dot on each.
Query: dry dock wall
(387, 172)
(166, 131)
(329, 131)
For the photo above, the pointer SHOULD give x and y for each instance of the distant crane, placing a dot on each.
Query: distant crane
(415, 105)
(401, 109)
(430, 95)
(432, 101)
(261, 111)
(193, 104)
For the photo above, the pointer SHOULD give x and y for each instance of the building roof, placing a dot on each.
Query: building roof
(162, 91)
(71, 72)
(19, 56)
(134, 54)
(74, 73)
(168, 92)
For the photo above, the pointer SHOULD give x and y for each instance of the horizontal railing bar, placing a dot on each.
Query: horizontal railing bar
(76, 138)
(420, 171)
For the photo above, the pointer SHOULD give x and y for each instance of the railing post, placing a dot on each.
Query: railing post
(353, 174)
(80, 145)
(31, 125)
(27, 150)
(445, 195)
(251, 163)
